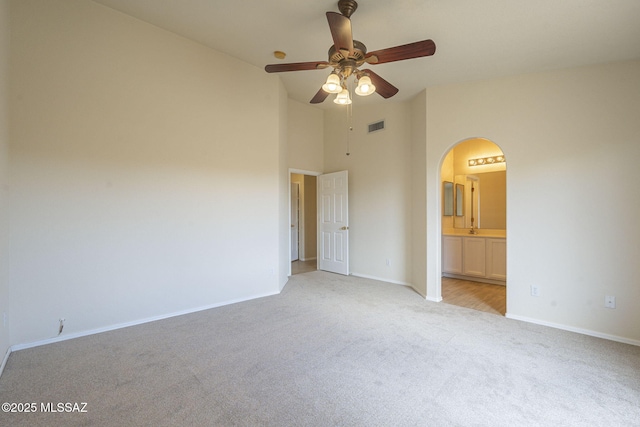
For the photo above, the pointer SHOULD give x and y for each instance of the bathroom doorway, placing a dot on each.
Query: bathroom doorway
(474, 226)
(303, 222)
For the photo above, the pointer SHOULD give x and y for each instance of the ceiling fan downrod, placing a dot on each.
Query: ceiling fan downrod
(347, 7)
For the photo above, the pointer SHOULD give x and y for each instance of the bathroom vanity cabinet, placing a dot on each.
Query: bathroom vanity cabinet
(473, 257)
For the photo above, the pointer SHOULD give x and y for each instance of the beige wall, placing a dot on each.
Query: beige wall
(4, 177)
(283, 258)
(306, 154)
(140, 186)
(305, 137)
(379, 186)
(571, 139)
(493, 200)
(419, 258)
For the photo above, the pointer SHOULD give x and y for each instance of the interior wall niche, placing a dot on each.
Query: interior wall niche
(479, 191)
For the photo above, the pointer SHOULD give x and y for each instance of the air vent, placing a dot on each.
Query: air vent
(374, 127)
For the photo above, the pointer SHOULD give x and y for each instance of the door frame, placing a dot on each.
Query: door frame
(295, 210)
(438, 248)
(301, 172)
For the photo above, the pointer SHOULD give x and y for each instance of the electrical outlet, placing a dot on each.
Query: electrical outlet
(610, 301)
(535, 291)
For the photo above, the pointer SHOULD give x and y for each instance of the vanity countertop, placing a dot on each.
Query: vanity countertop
(500, 234)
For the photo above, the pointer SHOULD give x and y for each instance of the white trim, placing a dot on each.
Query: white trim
(366, 276)
(303, 172)
(433, 299)
(4, 361)
(574, 329)
(133, 323)
(308, 259)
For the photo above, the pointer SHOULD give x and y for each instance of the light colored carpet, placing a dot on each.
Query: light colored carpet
(330, 351)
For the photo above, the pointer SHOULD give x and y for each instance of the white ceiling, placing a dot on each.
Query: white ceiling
(475, 39)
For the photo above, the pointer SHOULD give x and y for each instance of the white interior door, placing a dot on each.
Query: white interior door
(295, 215)
(333, 219)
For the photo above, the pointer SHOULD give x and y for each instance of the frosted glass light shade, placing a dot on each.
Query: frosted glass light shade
(365, 87)
(333, 84)
(343, 98)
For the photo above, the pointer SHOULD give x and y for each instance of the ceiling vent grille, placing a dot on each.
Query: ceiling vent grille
(377, 126)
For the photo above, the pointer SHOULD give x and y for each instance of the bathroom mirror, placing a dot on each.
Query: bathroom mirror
(459, 199)
(488, 201)
(447, 204)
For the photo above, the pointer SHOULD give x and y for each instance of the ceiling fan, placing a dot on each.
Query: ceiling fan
(347, 55)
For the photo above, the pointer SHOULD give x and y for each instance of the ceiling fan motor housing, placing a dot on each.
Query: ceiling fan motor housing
(336, 57)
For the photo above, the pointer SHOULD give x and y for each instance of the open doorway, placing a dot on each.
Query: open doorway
(473, 175)
(303, 222)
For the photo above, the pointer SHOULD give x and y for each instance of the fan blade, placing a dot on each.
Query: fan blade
(383, 87)
(296, 66)
(340, 27)
(319, 97)
(400, 53)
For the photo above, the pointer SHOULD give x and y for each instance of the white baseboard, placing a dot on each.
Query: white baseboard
(574, 329)
(366, 276)
(434, 299)
(17, 347)
(4, 361)
(308, 259)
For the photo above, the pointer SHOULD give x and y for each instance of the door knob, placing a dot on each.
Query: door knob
(344, 228)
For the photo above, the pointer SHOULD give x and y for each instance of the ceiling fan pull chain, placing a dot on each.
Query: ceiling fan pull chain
(349, 126)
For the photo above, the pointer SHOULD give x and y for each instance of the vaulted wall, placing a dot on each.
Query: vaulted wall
(140, 186)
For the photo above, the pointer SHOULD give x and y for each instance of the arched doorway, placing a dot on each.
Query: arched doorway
(474, 226)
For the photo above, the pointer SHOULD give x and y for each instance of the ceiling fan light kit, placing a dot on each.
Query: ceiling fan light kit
(346, 56)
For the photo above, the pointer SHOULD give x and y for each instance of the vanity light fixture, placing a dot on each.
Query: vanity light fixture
(486, 160)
